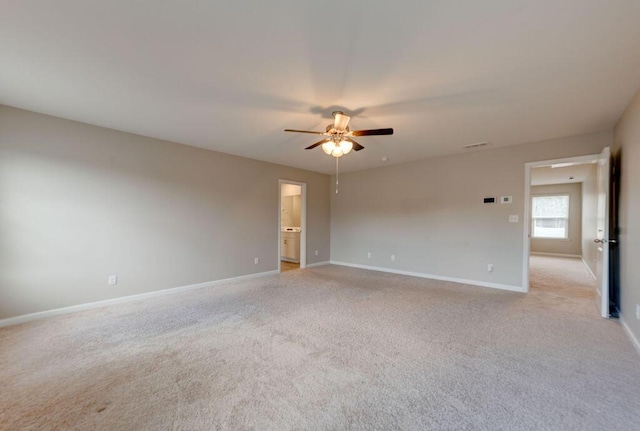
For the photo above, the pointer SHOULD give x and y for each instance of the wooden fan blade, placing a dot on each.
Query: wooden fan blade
(340, 121)
(311, 147)
(356, 146)
(372, 132)
(304, 131)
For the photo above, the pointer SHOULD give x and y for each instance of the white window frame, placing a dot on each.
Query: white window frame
(542, 195)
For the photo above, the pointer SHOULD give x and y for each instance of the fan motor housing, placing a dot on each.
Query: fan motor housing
(330, 129)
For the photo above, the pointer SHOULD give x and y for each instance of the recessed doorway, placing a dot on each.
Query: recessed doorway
(292, 229)
(566, 227)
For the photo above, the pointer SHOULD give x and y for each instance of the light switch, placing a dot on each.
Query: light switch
(513, 219)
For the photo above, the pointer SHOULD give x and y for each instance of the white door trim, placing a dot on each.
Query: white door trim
(527, 205)
(602, 268)
(303, 222)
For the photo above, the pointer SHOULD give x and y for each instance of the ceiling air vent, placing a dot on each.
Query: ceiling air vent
(477, 145)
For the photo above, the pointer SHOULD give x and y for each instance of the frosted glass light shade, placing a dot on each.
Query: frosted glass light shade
(346, 147)
(328, 147)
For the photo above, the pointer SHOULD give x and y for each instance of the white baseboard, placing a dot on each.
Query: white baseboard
(88, 306)
(312, 265)
(589, 269)
(434, 277)
(540, 253)
(632, 337)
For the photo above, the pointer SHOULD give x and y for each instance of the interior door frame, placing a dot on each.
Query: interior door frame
(303, 222)
(603, 275)
(527, 205)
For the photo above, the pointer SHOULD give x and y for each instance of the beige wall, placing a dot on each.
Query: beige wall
(573, 244)
(79, 203)
(297, 210)
(430, 213)
(627, 150)
(590, 218)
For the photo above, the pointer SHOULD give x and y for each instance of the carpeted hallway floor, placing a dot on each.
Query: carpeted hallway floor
(325, 348)
(565, 276)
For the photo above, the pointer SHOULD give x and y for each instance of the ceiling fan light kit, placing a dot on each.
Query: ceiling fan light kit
(338, 149)
(338, 140)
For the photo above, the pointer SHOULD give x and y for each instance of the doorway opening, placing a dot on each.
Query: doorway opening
(566, 232)
(292, 225)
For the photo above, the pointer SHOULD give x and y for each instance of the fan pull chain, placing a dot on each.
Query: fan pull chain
(337, 173)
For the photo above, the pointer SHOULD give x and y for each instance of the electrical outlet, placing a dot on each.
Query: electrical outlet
(256, 260)
(393, 257)
(638, 311)
(513, 218)
(112, 280)
(490, 267)
(316, 252)
(369, 254)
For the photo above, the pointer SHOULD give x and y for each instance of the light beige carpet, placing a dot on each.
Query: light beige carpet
(325, 348)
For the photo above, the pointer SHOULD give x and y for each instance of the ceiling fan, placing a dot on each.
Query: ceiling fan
(337, 141)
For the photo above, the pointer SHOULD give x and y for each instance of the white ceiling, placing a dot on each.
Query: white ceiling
(546, 175)
(230, 76)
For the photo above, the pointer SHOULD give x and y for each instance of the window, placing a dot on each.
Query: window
(550, 216)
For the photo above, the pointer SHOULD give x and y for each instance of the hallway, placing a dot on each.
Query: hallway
(564, 279)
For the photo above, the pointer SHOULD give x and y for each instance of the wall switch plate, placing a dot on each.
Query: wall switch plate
(393, 257)
(638, 311)
(256, 260)
(112, 280)
(490, 267)
(316, 252)
(513, 219)
(369, 254)
(506, 199)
